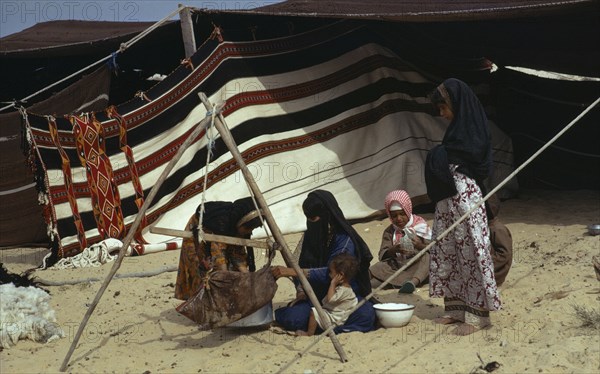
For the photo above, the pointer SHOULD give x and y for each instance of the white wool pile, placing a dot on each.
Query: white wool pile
(26, 314)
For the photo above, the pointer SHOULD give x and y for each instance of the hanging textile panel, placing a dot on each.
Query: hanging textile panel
(330, 108)
(18, 193)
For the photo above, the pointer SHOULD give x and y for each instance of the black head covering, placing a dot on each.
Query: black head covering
(467, 139)
(221, 217)
(438, 179)
(315, 247)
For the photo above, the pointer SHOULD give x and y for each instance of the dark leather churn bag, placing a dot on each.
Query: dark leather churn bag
(228, 296)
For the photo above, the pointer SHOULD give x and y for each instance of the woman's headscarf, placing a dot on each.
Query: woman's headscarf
(467, 139)
(315, 246)
(416, 224)
(466, 143)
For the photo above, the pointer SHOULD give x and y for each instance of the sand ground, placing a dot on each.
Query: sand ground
(135, 328)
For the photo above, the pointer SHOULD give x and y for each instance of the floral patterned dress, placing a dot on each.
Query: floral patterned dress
(461, 268)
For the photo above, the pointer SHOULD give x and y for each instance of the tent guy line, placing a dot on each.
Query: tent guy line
(122, 48)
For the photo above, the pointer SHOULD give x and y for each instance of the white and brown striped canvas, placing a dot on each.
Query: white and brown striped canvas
(331, 108)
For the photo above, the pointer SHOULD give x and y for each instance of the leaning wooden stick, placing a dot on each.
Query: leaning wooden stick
(132, 230)
(211, 237)
(139, 274)
(232, 146)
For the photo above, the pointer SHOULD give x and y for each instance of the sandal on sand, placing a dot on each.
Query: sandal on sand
(407, 287)
(446, 320)
(465, 329)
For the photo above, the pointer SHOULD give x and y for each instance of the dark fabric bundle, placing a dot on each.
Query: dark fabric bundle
(25, 279)
(439, 181)
(228, 296)
(222, 217)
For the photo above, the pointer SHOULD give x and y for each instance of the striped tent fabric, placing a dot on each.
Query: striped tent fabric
(332, 107)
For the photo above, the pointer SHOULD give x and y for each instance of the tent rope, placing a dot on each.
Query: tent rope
(210, 144)
(93, 256)
(122, 48)
(260, 216)
(141, 274)
(443, 234)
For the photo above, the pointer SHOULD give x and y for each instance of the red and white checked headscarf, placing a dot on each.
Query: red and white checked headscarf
(416, 224)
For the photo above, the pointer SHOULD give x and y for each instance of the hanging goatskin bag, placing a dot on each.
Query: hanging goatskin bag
(228, 296)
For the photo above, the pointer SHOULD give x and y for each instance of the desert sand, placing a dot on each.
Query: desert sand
(135, 328)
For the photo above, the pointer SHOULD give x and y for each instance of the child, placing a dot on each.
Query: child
(406, 236)
(340, 298)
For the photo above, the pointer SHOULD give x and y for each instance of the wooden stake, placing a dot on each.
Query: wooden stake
(187, 31)
(210, 237)
(132, 230)
(232, 146)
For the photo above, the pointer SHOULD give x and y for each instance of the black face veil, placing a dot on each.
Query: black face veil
(316, 247)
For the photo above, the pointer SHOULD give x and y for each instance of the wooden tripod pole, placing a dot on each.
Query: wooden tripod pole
(132, 230)
(232, 146)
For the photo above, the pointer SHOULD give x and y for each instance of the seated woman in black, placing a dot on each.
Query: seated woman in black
(328, 234)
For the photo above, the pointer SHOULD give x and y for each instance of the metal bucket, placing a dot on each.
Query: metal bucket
(261, 317)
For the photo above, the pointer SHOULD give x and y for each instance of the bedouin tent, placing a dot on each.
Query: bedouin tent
(313, 102)
(44, 54)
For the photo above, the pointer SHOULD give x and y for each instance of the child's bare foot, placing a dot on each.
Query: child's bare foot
(445, 320)
(464, 329)
(302, 333)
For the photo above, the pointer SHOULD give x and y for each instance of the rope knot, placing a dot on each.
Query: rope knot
(217, 33)
(142, 95)
(188, 62)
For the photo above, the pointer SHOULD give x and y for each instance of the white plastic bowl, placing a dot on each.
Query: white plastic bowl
(261, 317)
(394, 314)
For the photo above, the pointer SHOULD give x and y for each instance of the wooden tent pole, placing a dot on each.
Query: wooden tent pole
(232, 146)
(187, 30)
(132, 230)
(211, 237)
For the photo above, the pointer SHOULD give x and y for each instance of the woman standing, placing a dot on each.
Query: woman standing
(461, 268)
(327, 235)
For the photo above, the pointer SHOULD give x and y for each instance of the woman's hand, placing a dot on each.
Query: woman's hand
(300, 295)
(282, 271)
